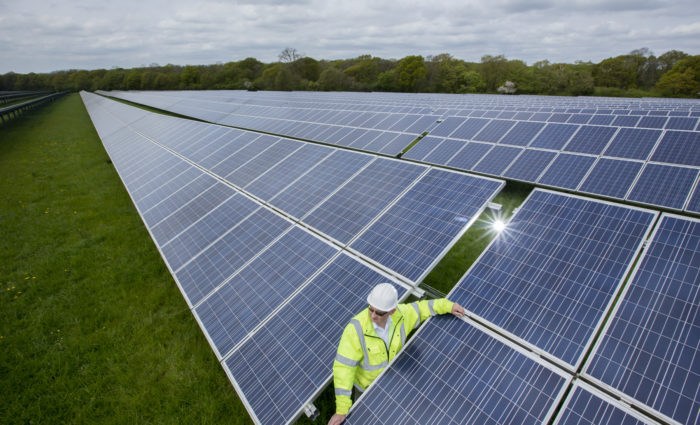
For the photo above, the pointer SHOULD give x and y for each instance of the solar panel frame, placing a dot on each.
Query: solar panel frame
(663, 185)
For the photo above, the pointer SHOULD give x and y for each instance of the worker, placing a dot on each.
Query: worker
(373, 338)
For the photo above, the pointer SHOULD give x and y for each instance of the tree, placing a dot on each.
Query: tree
(289, 55)
(410, 74)
(620, 72)
(683, 79)
(333, 79)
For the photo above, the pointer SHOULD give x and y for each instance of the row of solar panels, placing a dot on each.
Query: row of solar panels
(651, 160)
(274, 243)
(549, 285)
(546, 287)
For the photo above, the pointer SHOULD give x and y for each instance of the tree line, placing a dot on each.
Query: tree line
(638, 73)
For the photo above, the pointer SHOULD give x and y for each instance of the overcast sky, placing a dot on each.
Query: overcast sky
(51, 35)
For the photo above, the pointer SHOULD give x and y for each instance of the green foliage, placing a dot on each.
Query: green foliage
(442, 73)
(683, 79)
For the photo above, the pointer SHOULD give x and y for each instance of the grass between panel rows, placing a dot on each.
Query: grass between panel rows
(92, 325)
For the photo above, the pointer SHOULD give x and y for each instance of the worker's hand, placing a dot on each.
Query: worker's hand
(457, 310)
(337, 419)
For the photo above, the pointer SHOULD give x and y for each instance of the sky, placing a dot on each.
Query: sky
(52, 35)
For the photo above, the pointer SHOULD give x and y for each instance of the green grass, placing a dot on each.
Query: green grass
(92, 326)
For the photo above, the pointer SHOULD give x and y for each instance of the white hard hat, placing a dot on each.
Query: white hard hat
(383, 297)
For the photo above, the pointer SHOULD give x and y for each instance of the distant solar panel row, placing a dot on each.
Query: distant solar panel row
(244, 268)
(644, 151)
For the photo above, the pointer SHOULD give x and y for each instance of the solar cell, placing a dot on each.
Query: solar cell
(289, 358)
(678, 147)
(550, 277)
(243, 302)
(397, 144)
(469, 128)
(649, 348)
(418, 229)
(452, 372)
(626, 120)
(229, 164)
(611, 177)
(652, 122)
(694, 201)
(681, 123)
(442, 154)
(423, 148)
(494, 130)
(664, 185)
(343, 215)
(633, 143)
(173, 197)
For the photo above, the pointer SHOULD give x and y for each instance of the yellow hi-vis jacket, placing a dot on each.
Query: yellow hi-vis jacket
(362, 354)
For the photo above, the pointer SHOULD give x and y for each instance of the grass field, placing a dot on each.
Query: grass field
(92, 327)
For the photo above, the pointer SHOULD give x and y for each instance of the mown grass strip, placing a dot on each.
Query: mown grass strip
(92, 327)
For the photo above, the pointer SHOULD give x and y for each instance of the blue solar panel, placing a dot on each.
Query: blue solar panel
(470, 154)
(451, 372)
(590, 139)
(649, 351)
(585, 406)
(179, 196)
(423, 224)
(469, 128)
(494, 130)
(611, 177)
(664, 185)
(423, 148)
(554, 136)
(694, 201)
(549, 278)
(522, 133)
(652, 122)
(679, 147)
(229, 164)
(231, 312)
(287, 170)
(497, 160)
(442, 154)
(681, 123)
(262, 162)
(313, 187)
(201, 234)
(221, 259)
(529, 165)
(626, 120)
(397, 144)
(290, 357)
(601, 119)
(633, 143)
(353, 206)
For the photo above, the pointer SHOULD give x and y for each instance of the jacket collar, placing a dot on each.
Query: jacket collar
(367, 324)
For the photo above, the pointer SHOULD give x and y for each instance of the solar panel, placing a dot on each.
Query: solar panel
(418, 229)
(289, 359)
(587, 406)
(326, 177)
(678, 147)
(529, 165)
(633, 143)
(549, 278)
(345, 213)
(494, 130)
(554, 136)
(567, 170)
(469, 128)
(233, 310)
(522, 133)
(423, 148)
(694, 201)
(590, 139)
(262, 162)
(442, 154)
(664, 185)
(649, 348)
(611, 177)
(220, 260)
(497, 160)
(470, 154)
(453, 372)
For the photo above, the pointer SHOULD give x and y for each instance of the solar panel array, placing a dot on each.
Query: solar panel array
(271, 289)
(556, 333)
(536, 297)
(624, 149)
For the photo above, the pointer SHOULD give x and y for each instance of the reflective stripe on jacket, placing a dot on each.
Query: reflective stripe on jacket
(362, 354)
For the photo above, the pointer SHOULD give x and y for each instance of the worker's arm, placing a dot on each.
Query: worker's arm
(429, 308)
(346, 362)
